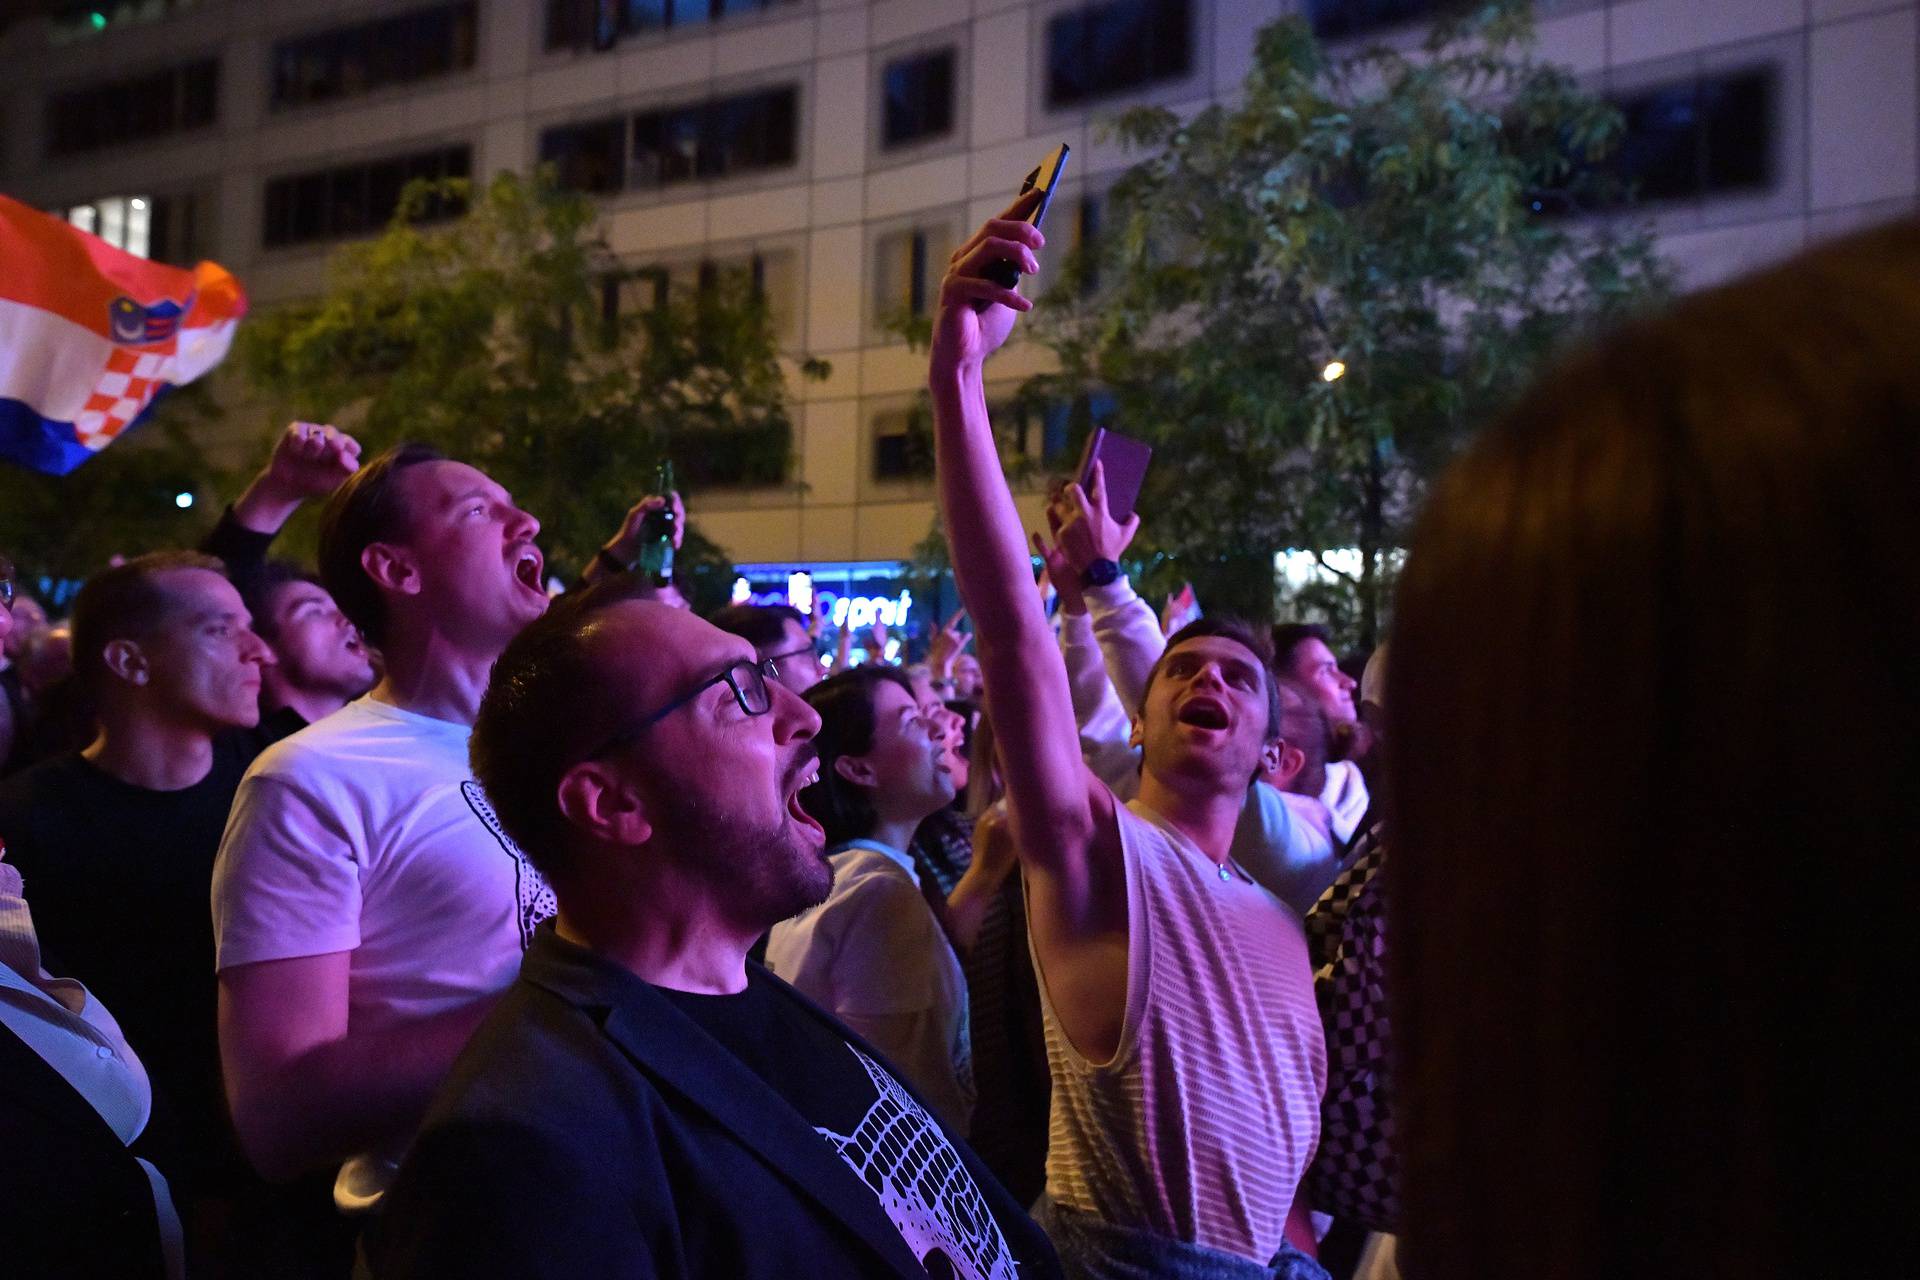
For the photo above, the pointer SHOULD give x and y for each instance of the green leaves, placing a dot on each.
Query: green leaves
(513, 338)
(1373, 209)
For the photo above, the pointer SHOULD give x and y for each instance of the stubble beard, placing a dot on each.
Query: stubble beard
(762, 872)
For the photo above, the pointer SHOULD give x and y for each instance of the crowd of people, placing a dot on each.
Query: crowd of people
(403, 918)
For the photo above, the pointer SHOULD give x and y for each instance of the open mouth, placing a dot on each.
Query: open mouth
(1204, 713)
(808, 774)
(527, 566)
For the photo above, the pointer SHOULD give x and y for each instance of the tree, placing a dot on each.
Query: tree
(1378, 210)
(499, 337)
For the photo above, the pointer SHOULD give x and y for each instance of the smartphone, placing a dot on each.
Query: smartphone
(1124, 461)
(1045, 179)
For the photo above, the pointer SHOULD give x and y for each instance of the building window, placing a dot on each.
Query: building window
(347, 61)
(358, 199)
(1703, 137)
(1337, 19)
(589, 156)
(1098, 50)
(716, 139)
(773, 276)
(902, 445)
(700, 141)
(134, 109)
(916, 96)
(906, 273)
(582, 24)
(71, 20)
(1690, 140)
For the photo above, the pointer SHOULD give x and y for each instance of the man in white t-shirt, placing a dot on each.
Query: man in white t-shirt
(367, 905)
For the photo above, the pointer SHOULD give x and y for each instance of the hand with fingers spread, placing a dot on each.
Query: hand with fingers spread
(948, 643)
(975, 314)
(1085, 529)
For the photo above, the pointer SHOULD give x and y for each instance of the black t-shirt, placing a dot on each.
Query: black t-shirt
(119, 879)
(857, 1106)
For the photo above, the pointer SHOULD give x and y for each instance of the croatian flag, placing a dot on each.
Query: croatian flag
(90, 334)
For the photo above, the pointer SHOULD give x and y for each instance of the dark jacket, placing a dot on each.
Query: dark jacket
(592, 1130)
(74, 1203)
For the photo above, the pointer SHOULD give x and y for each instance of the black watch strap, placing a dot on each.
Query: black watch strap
(1099, 574)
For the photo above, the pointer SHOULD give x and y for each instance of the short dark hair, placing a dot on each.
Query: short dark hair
(1242, 633)
(1289, 636)
(1303, 724)
(544, 708)
(760, 625)
(365, 510)
(260, 588)
(845, 705)
(125, 602)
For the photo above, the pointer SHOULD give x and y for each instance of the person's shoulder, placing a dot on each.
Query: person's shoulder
(354, 731)
(32, 789)
(540, 1062)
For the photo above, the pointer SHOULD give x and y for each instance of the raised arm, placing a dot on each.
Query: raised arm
(1027, 696)
(1129, 636)
(309, 461)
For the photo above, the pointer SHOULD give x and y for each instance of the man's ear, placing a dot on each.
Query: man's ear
(391, 567)
(1292, 761)
(594, 798)
(855, 769)
(1138, 736)
(126, 661)
(1272, 752)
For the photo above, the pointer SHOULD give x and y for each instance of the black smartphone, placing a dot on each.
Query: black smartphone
(1045, 179)
(1123, 460)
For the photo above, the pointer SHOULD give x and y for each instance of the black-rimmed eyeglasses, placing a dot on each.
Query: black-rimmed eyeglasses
(747, 678)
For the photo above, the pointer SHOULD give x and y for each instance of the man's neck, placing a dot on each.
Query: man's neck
(430, 675)
(680, 942)
(1204, 814)
(145, 751)
(309, 704)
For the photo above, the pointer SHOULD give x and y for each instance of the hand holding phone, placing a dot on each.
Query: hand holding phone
(1045, 179)
(1123, 460)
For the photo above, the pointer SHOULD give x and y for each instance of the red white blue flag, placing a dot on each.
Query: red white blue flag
(91, 334)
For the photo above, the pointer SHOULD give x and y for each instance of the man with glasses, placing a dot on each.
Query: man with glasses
(368, 904)
(778, 633)
(644, 1100)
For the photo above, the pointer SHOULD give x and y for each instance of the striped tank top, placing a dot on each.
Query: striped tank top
(1202, 1125)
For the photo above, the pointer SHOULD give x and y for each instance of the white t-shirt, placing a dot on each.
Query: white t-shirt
(365, 832)
(874, 955)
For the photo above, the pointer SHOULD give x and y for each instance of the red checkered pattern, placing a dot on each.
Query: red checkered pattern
(125, 387)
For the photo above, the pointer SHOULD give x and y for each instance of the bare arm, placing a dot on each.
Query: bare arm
(305, 1089)
(1026, 683)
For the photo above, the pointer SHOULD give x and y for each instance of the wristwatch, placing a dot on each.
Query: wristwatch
(1099, 574)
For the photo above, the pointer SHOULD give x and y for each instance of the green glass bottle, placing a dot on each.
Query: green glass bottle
(656, 538)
